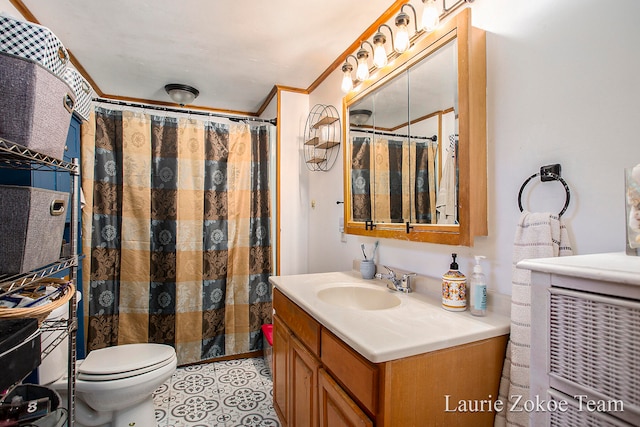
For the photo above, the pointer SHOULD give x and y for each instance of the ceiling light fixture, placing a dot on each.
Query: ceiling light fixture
(181, 94)
(359, 117)
(362, 72)
(347, 80)
(380, 57)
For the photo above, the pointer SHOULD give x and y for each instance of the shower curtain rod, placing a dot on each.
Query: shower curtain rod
(177, 110)
(433, 138)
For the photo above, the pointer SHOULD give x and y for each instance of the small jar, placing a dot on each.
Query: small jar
(367, 269)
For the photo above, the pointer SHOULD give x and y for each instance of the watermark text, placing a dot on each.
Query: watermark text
(518, 403)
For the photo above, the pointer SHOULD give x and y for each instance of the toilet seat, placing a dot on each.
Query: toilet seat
(124, 361)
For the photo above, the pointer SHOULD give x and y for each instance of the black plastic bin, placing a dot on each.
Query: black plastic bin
(19, 350)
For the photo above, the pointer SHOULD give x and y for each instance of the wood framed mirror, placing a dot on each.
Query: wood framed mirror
(415, 164)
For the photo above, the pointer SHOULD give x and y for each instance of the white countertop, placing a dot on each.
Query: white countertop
(418, 325)
(612, 267)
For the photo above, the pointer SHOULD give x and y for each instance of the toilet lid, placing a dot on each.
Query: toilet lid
(124, 361)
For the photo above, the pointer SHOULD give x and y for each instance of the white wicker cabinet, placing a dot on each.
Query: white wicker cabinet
(585, 340)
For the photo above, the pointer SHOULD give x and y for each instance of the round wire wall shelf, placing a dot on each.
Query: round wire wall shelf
(322, 137)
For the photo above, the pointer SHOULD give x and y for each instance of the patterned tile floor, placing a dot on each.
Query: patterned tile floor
(219, 394)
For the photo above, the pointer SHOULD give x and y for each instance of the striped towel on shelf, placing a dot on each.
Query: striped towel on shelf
(538, 235)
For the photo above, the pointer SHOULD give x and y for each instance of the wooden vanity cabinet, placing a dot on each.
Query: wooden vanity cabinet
(320, 381)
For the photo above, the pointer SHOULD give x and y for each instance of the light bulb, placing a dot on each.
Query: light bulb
(347, 83)
(379, 55)
(362, 72)
(402, 39)
(430, 16)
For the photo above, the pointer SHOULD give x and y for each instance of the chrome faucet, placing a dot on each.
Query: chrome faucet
(402, 284)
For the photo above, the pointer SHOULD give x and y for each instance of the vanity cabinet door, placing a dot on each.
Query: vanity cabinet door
(303, 375)
(281, 351)
(336, 409)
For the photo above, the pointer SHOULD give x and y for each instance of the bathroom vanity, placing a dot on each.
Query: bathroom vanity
(349, 351)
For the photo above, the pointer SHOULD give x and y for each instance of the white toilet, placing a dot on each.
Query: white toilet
(114, 385)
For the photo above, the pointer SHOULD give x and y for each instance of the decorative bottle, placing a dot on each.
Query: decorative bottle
(454, 288)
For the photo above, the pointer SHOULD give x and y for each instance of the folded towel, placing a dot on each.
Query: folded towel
(538, 235)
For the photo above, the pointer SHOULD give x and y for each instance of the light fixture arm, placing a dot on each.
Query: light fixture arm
(367, 42)
(402, 15)
(362, 72)
(346, 61)
(347, 69)
(390, 32)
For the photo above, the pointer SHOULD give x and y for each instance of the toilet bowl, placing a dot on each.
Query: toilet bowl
(115, 385)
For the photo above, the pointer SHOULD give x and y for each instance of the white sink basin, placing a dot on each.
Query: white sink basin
(359, 298)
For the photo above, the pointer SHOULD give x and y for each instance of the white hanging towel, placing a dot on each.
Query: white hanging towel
(446, 201)
(538, 235)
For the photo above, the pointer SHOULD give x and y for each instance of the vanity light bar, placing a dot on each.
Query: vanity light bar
(400, 42)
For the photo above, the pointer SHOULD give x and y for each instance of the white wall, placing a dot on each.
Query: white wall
(294, 200)
(9, 9)
(562, 87)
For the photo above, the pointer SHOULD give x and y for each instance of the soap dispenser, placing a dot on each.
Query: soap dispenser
(478, 284)
(454, 288)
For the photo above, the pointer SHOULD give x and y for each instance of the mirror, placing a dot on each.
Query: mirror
(415, 157)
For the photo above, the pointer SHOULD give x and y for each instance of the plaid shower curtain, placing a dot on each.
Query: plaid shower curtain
(425, 173)
(393, 181)
(176, 231)
(361, 178)
(391, 175)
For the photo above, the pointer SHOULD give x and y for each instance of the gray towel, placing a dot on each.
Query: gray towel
(538, 235)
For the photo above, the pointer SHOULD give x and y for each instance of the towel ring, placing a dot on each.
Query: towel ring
(548, 176)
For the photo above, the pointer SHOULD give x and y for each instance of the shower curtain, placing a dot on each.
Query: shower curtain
(425, 173)
(176, 232)
(393, 181)
(361, 178)
(391, 204)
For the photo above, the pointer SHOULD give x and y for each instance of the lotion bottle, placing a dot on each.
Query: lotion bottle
(454, 288)
(478, 306)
